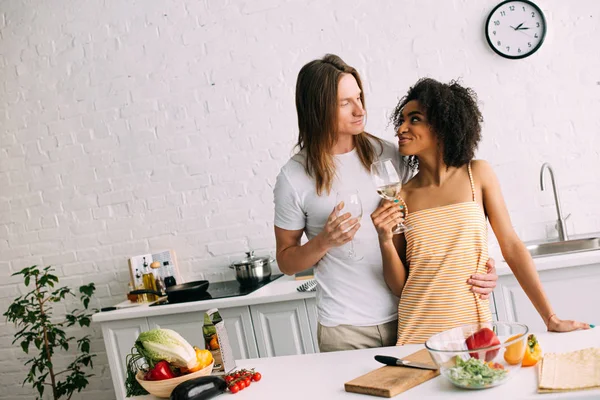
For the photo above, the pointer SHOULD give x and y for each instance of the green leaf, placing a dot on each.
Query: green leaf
(88, 289)
(27, 281)
(25, 346)
(40, 388)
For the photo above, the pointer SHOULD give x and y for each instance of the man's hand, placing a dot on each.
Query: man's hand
(338, 230)
(484, 284)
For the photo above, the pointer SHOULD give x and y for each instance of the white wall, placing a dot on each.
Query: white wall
(132, 126)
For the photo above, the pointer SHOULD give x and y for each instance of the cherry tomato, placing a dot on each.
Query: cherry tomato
(234, 388)
(256, 377)
(247, 382)
(228, 378)
(236, 375)
(242, 385)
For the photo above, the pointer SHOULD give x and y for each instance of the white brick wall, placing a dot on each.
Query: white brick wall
(127, 127)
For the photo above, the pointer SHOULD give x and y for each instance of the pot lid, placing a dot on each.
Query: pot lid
(253, 260)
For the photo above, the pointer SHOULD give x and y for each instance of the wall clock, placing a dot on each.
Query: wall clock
(515, 28)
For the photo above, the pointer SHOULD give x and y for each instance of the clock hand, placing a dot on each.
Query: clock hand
(522, 29)
(525, 33)
(518, 26)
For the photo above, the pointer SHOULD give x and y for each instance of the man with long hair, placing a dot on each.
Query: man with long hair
(355, 307)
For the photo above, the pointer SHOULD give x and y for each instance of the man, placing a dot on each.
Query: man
(355, 307)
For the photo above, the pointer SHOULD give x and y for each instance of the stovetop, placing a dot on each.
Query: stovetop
(221, 290)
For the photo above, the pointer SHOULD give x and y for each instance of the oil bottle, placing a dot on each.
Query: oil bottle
(149, 281)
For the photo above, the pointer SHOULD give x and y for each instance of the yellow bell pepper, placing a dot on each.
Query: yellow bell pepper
(204, 358)
(514, 352)
(533, 352)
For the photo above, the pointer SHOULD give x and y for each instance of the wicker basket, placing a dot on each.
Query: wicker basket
(164, 387)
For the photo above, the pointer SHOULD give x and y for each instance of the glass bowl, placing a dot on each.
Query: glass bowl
(486, 362)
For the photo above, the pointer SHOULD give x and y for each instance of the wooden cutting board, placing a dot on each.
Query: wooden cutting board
(389, 381)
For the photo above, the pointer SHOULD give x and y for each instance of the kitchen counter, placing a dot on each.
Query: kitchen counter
(322, 375)
(550, 262)
(282, 289)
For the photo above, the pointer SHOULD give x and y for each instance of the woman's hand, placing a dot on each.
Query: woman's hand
(338, 230)
(558, 325)
(386, 217)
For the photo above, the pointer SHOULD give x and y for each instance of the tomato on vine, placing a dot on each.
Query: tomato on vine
(241, 379)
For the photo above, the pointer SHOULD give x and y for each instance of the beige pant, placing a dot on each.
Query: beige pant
(348, 337)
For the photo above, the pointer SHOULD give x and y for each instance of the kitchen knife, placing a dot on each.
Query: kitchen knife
(393, 361)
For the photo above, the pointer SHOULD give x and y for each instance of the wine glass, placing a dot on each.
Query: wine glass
(388, 184)
(353, 205)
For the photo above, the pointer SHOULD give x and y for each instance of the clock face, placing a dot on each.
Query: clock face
(516, 28)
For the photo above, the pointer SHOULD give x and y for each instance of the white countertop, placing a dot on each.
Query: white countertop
(282, 289)
(322, 375)
(552, 262)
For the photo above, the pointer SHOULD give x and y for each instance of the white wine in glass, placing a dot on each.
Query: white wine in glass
(390, 192)
(388, 185)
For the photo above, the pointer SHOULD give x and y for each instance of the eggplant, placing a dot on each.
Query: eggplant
(204, 387)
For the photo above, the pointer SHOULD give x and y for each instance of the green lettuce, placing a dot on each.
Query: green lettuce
(474, 373)
(165, 344)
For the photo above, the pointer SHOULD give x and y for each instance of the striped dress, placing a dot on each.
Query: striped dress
(445, 247)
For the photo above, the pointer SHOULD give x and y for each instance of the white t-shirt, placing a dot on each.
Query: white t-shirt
(349, 292)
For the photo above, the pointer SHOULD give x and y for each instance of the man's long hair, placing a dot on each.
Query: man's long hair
(317, 107)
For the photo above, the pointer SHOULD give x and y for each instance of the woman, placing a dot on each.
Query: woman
(449, 202)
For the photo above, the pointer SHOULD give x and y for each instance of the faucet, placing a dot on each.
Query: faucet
(560, 223)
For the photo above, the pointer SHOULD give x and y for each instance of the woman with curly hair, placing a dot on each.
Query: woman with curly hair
(448, 202)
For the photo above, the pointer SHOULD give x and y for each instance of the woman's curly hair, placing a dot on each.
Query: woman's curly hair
(453, 115)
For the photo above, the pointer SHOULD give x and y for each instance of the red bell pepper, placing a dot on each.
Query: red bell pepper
(484, 337)
(161, 371)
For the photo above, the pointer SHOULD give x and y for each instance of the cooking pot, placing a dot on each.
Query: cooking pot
(252, 270)
(189, 291)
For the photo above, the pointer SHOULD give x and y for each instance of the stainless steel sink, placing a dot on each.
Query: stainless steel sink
(567, 246)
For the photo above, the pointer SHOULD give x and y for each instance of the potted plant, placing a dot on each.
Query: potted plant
(32, 315)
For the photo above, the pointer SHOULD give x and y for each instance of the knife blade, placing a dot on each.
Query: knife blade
(393, 361)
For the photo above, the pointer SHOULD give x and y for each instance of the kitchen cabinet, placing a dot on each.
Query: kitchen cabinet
(240, 331)
(282, 328)
(311, 309)
(571, 291)
(238, 324)
(188, 325)
(119, 337)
